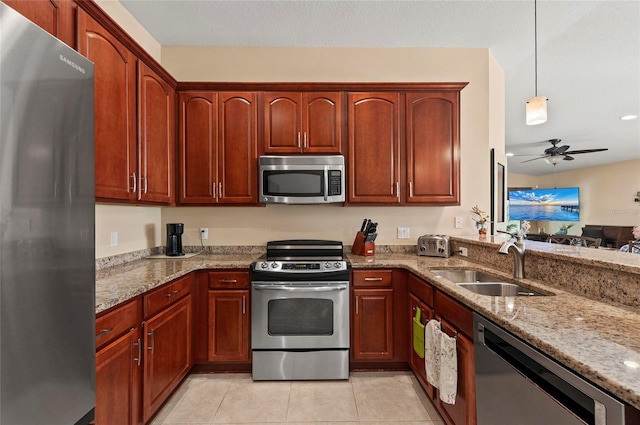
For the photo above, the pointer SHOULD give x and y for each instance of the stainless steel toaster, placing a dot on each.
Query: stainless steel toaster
(434, 246)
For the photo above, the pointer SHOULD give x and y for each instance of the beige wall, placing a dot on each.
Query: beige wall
(482, 117)
(607, 193)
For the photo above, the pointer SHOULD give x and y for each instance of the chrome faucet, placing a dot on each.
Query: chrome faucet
(517, 243)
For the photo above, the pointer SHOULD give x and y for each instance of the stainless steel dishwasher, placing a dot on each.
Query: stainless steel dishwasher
(518, 385)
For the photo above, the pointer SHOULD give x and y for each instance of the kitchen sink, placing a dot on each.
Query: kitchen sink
(463, 275)
(499, 289)
(485, 284)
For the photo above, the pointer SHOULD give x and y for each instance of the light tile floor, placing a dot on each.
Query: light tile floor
(380, 398)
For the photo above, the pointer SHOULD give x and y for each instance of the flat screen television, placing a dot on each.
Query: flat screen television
(559, 204)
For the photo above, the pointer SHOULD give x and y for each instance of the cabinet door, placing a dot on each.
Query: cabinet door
(198, 147)
(229, 325)
(282, 121)
(53, 16)
(237, 148)
(463, 412)
(156, 136)
(115, 115)
(433, 171)
(167, 342)
(374, 147)
(416, 362)
(322, 122)
(118, 381)
(373, 324)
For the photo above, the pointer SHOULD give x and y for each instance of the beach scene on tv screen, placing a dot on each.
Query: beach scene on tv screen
(545, 204)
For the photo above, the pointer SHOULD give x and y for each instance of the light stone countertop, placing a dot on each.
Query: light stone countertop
(590, 337)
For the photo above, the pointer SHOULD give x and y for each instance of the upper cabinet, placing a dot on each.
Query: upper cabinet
(303, 122)
(115, 114)
(128, 168)
(54, 16)
(156, 99)
(218, 156)
(404, 147)
(433, 147)
(374, 148)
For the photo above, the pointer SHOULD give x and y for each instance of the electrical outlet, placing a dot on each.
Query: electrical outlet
(459, 222)
(403, 233)
(114, 238)
(463, 251)
(204, 233)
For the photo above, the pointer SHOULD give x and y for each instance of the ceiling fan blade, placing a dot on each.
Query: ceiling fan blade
(541, 157)
(556, 150)
(568, 158)
(586, 151)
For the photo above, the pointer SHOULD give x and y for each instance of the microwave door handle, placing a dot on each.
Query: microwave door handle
(326, 183)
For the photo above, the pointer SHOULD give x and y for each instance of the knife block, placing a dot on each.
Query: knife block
(360, 247)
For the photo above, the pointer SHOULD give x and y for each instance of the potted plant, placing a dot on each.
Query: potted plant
(564, 229)
(481, 218)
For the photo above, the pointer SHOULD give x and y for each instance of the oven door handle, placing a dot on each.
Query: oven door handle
(300, 288)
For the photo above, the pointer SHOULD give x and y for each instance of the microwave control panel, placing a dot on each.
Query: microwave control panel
(335, 182)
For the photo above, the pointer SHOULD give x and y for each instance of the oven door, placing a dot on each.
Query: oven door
(291, 315)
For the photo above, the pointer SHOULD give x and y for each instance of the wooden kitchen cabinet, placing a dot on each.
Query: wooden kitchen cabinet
(156, 106)
(433, 148)
(114, 109)
(167, 342)
(54, 16)
(372, 329)
(229, 317)
(218, 148)
(303, 122)
(374, 147)
(118, 366)
(457, 320)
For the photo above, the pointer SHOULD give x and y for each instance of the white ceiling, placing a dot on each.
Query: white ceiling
(588, 54)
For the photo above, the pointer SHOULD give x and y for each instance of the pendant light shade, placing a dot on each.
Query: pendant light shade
(536, 110)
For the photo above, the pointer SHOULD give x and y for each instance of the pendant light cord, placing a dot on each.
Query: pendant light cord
(535, 41)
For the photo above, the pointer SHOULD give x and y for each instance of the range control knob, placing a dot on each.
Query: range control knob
(274, 265)
(327, 265)
(337, 265)
(264, 265)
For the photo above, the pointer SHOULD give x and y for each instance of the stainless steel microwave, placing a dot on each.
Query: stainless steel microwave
(302, 179)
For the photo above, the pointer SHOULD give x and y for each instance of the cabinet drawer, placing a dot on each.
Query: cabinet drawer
(421, 289)
(454, 312)
(372, 278)
(116, 322)
(228, 280)
(166, 295)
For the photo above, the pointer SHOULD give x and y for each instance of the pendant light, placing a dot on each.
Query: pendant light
(536, 106)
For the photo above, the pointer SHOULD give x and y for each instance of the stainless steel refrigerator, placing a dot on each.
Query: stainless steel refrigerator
(47, 264)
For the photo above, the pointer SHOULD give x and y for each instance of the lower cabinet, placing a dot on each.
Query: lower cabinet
(455, 320)
(372, 334)
(167, 342)
(118, 366)
(228, 325)
(228, 316)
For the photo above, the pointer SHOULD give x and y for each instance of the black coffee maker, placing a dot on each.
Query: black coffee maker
(174, 239)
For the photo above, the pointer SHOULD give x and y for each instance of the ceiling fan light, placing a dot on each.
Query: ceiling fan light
(553, 160)
(536, 110)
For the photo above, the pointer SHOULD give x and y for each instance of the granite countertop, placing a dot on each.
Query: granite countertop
(597, 340)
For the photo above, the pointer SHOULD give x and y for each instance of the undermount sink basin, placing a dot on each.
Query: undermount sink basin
(485, 284)
(463, 276)
(499, 289)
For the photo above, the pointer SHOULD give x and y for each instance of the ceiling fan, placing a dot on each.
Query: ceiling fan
(556, 153)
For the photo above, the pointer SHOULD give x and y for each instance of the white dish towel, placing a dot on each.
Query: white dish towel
(448, 369)
(432, 352)
(441, 361)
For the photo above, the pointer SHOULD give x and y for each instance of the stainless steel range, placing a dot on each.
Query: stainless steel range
(300, 311)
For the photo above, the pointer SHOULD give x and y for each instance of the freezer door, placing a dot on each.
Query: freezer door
(47, 264)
